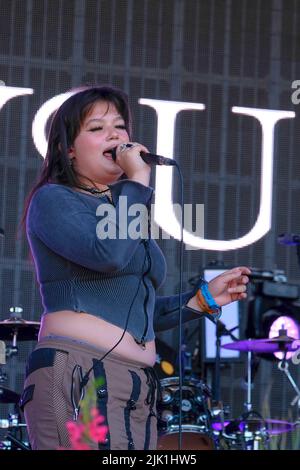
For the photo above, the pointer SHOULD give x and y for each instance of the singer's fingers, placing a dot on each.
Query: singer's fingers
(236, 275)
(124, 146)
(128, 146)
(241, 296)
(129, 159)
(237, 289)
(130, 150)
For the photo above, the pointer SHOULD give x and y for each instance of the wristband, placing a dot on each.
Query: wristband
(205, 300)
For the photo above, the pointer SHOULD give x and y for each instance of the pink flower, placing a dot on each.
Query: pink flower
(75, 431)
(81, 434)
(80, 446)
(97, 431)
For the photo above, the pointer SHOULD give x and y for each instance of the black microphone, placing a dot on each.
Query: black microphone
(289, 239)
(149, 158)
(260, 274)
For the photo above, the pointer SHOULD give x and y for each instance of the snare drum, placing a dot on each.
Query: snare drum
(195, 408)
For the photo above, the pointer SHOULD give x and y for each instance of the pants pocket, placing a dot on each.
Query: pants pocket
(26, 396)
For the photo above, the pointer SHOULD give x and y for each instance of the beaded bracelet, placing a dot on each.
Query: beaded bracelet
(205, 300)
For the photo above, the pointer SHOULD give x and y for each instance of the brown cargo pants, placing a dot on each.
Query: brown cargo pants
(53, 389)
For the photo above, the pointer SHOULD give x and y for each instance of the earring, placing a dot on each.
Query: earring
(71, 161)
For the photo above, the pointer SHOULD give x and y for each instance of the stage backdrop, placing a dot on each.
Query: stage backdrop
(222, 53)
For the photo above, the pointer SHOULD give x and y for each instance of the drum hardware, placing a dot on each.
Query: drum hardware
(17, 444)
(194, 437)
(221, 330)
(16, 328)
(250, 433)
(3, 376)
(186, 360)
(13, 440)
(274, 427)
(247, 433)
(280, 343)
(8, 396)
(195, 405)
(254, 433)
(284, 367)
(14, 444)
(12, 422)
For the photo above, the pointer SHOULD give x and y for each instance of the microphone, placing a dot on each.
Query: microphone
(149, 158)
(288, 239)
(260, 274)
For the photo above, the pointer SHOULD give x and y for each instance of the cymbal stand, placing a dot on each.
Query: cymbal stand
(248, 403)
(3, 375)
(252, 441)
(284, 367)
(13, 349)
(221, 330)
(16, 316)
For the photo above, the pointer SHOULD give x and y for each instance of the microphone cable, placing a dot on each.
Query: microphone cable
(180, 326)
(85, 378)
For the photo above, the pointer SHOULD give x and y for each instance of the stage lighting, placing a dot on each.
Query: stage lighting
(273, 306)
(292, 330)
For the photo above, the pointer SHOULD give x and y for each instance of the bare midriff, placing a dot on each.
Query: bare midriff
(97, 332)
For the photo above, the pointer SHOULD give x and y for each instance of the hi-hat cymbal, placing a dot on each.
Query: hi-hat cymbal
(24, 330)
(266, 345)
(8, 396)
(281, 339)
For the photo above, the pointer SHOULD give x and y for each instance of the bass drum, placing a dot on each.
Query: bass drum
(197, 433)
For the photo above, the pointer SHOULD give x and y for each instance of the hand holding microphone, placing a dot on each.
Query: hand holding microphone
(126, 155)
(149, 158)
(137, 169)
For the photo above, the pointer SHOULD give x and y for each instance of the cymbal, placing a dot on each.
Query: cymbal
(25, 330)
(273, 426)
(8, 396)
(266, 345)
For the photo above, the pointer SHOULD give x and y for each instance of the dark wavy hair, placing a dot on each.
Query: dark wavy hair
(65, 126)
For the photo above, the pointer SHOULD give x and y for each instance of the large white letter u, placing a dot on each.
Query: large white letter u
(164, 214)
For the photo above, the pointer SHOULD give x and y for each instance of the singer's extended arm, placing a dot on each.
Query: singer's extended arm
(225, 288)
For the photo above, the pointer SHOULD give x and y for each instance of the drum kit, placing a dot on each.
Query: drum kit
(203, 424)
(13, 329)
